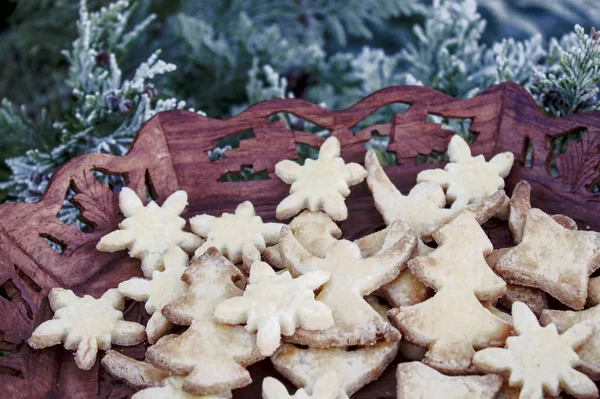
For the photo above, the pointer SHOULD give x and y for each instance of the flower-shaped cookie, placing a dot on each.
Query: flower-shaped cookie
(86, 324)
(240, 237)
(275, 304)
(164, 287)
(552, 258)
(148, 231)
(539, 360)
(590, 352)
(423, 209)
(468, 179)
(327, 387)
(320, 184)
(416, 380)
(352, 278)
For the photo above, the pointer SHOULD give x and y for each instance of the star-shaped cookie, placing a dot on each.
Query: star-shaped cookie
(416, 380)
(152, 383)
(315, 231)
(320, 184)
(589, 353)
(468, 179)
(275, 304)
(210, 355)
(352, 277)
(240, 237)
(86, 324)
(423, 209)
(539, 360)
(149, 231)
(164, 287)
(552, 258)
(354, 369)
(326, 387)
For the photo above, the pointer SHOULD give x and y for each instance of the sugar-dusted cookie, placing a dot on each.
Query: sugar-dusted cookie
(468, 179)
(149, 231)
(153, 383)
(240, 237)
(452, 324)
(210, 356)
(520, 205)
(423, 209)
(352, 277)
(532, 297)
(539, 360)
(593, 298)
(164, 287)
(459, 260)
(275, 304)
(315, 231)
(405, 289)
(320, 184)
(326, 387)
(416, 380)
(589, 353)
(86, 324)
(354, 369)
(552, 258)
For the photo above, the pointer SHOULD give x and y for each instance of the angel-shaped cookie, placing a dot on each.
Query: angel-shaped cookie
(149, 231)
(86, 324)
(423, 209)
(275, 304)
(240, 237)
(352, 277)
(305, 368)
(164, 287)
(539, 360)
(468, 179)
(416, 380)
(320, 184)
(210, 356)
(152, 383)
(326, 387)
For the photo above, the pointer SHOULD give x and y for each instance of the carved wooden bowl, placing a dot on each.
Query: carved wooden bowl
(170, 153)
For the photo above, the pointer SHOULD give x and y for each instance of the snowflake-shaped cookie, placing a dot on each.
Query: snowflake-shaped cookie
(352, 277)
(320, 184)
(539, 360)
(275, 304)
(148, 231)
(327, 387)
(423, 209)
(240, 237)
(86, 324)
(466, 178)
(164, 287)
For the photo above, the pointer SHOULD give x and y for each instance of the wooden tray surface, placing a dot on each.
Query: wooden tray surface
(170, 153)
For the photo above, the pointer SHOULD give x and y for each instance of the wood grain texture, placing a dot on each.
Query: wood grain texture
(170, 153)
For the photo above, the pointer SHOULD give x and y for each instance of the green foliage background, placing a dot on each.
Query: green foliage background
(77, 77)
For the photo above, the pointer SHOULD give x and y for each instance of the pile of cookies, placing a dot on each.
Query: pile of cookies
(333, 314)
